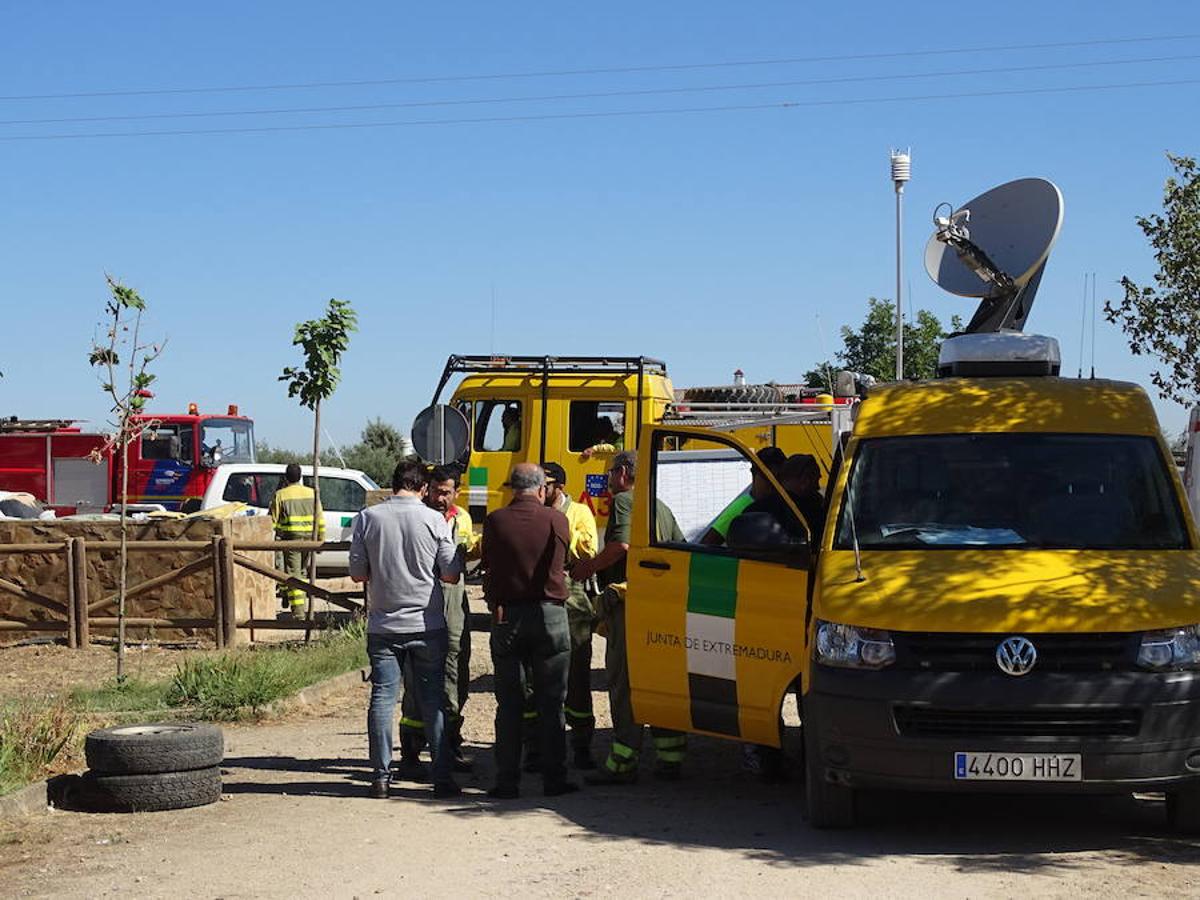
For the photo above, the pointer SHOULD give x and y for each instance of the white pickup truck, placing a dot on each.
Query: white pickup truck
(343, 494)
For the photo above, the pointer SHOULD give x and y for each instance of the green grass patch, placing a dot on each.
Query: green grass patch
(232, 684)
(31, 738)
(134, 695)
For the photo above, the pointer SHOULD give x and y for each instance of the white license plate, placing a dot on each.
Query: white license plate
(1018, 767)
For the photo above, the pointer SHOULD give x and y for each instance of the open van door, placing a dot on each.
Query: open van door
(715, 625)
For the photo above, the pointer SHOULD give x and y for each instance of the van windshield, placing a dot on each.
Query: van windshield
(1102, 492)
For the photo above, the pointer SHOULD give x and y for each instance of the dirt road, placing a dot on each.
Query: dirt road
(294, 823)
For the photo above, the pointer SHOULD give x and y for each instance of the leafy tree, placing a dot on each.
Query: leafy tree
(122, 360)
(379, 435)
(380, 447)
(1164, 321)
(265, 453)
(322, 342)
(871, 348)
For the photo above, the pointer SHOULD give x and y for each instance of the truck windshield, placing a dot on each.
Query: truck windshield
(227, 441)
(1102, 492)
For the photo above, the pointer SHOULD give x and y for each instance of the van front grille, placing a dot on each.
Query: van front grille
(969, 652)
(930, 721)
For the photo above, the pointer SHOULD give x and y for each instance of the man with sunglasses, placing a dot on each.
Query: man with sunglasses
(621, 766)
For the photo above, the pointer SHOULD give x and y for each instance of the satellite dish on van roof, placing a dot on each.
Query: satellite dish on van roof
(995, 247)
(440, 434)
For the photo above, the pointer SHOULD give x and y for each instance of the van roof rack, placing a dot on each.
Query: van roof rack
(545, 365)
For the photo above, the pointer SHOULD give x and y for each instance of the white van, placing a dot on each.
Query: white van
(343, 494)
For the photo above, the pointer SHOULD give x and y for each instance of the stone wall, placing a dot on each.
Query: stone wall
(190, 597)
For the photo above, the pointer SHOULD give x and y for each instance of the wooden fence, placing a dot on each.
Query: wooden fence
(79, 614)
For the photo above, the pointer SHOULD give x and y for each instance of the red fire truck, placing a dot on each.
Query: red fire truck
(170, 464)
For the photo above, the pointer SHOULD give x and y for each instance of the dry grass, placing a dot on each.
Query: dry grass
(32, 737)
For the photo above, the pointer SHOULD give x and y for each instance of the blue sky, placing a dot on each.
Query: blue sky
(714, 240)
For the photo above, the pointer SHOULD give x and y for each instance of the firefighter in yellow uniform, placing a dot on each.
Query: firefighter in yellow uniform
(293, 510)
(580, 617)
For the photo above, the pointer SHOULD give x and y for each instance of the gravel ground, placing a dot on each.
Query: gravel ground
(294, 822)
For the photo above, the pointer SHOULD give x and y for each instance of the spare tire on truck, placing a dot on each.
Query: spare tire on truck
(152, 748)
(151, 793)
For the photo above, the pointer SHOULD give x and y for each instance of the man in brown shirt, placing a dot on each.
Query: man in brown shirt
(524, 559)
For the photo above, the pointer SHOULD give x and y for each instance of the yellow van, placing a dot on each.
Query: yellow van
(1005, 596)
(580, 410)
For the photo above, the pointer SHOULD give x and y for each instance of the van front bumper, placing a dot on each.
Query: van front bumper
(901, 729)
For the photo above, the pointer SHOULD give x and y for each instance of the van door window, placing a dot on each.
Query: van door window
(342, 495)
(254, 488)
(597, 425)
(498, 425)
(720, 499)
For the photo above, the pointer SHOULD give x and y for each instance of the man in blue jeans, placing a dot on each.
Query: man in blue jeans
(403, 551)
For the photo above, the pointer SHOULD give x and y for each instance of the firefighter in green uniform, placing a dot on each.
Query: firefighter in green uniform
(621, 766)
(293, 510)
(443, 487)
(580, 617)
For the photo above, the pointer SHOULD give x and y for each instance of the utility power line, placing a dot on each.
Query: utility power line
(593, 95)
(786, 104)
(605, 70)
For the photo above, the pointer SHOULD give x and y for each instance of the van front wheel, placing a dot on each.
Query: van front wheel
(1183, 810)
(827, 805)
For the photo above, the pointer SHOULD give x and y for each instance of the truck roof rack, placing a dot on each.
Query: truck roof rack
(545, 365)
(733, 416)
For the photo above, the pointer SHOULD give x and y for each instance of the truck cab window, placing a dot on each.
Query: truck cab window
(596, 423)
(498, 425)
(226, 441)
(168, 441)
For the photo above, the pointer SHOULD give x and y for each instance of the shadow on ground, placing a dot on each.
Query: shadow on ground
(719, 806)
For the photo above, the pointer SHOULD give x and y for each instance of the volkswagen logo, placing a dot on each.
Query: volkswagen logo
(1016, 656)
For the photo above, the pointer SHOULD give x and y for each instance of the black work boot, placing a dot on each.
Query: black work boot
(380, 788)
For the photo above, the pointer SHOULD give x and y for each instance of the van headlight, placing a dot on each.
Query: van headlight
(850, 647)
(1171, 648)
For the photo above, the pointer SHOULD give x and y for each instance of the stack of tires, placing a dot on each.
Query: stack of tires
(151, 767)
(734, 395)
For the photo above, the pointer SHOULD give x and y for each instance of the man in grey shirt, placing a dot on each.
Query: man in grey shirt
(403, 550)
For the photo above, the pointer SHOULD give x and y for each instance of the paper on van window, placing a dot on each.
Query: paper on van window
(930, 533)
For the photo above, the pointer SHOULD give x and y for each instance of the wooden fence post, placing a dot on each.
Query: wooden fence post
(72, 605)
(228, 591)
(218, 593)
(78, 558)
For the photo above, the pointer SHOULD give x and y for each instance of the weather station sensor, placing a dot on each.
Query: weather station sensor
(995, 247)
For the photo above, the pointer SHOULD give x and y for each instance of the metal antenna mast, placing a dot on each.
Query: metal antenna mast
(901, 173)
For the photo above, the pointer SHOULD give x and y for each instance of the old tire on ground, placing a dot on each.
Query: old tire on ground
(1183, 810)
(152, 748)
(150, 793)
(827, 805)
